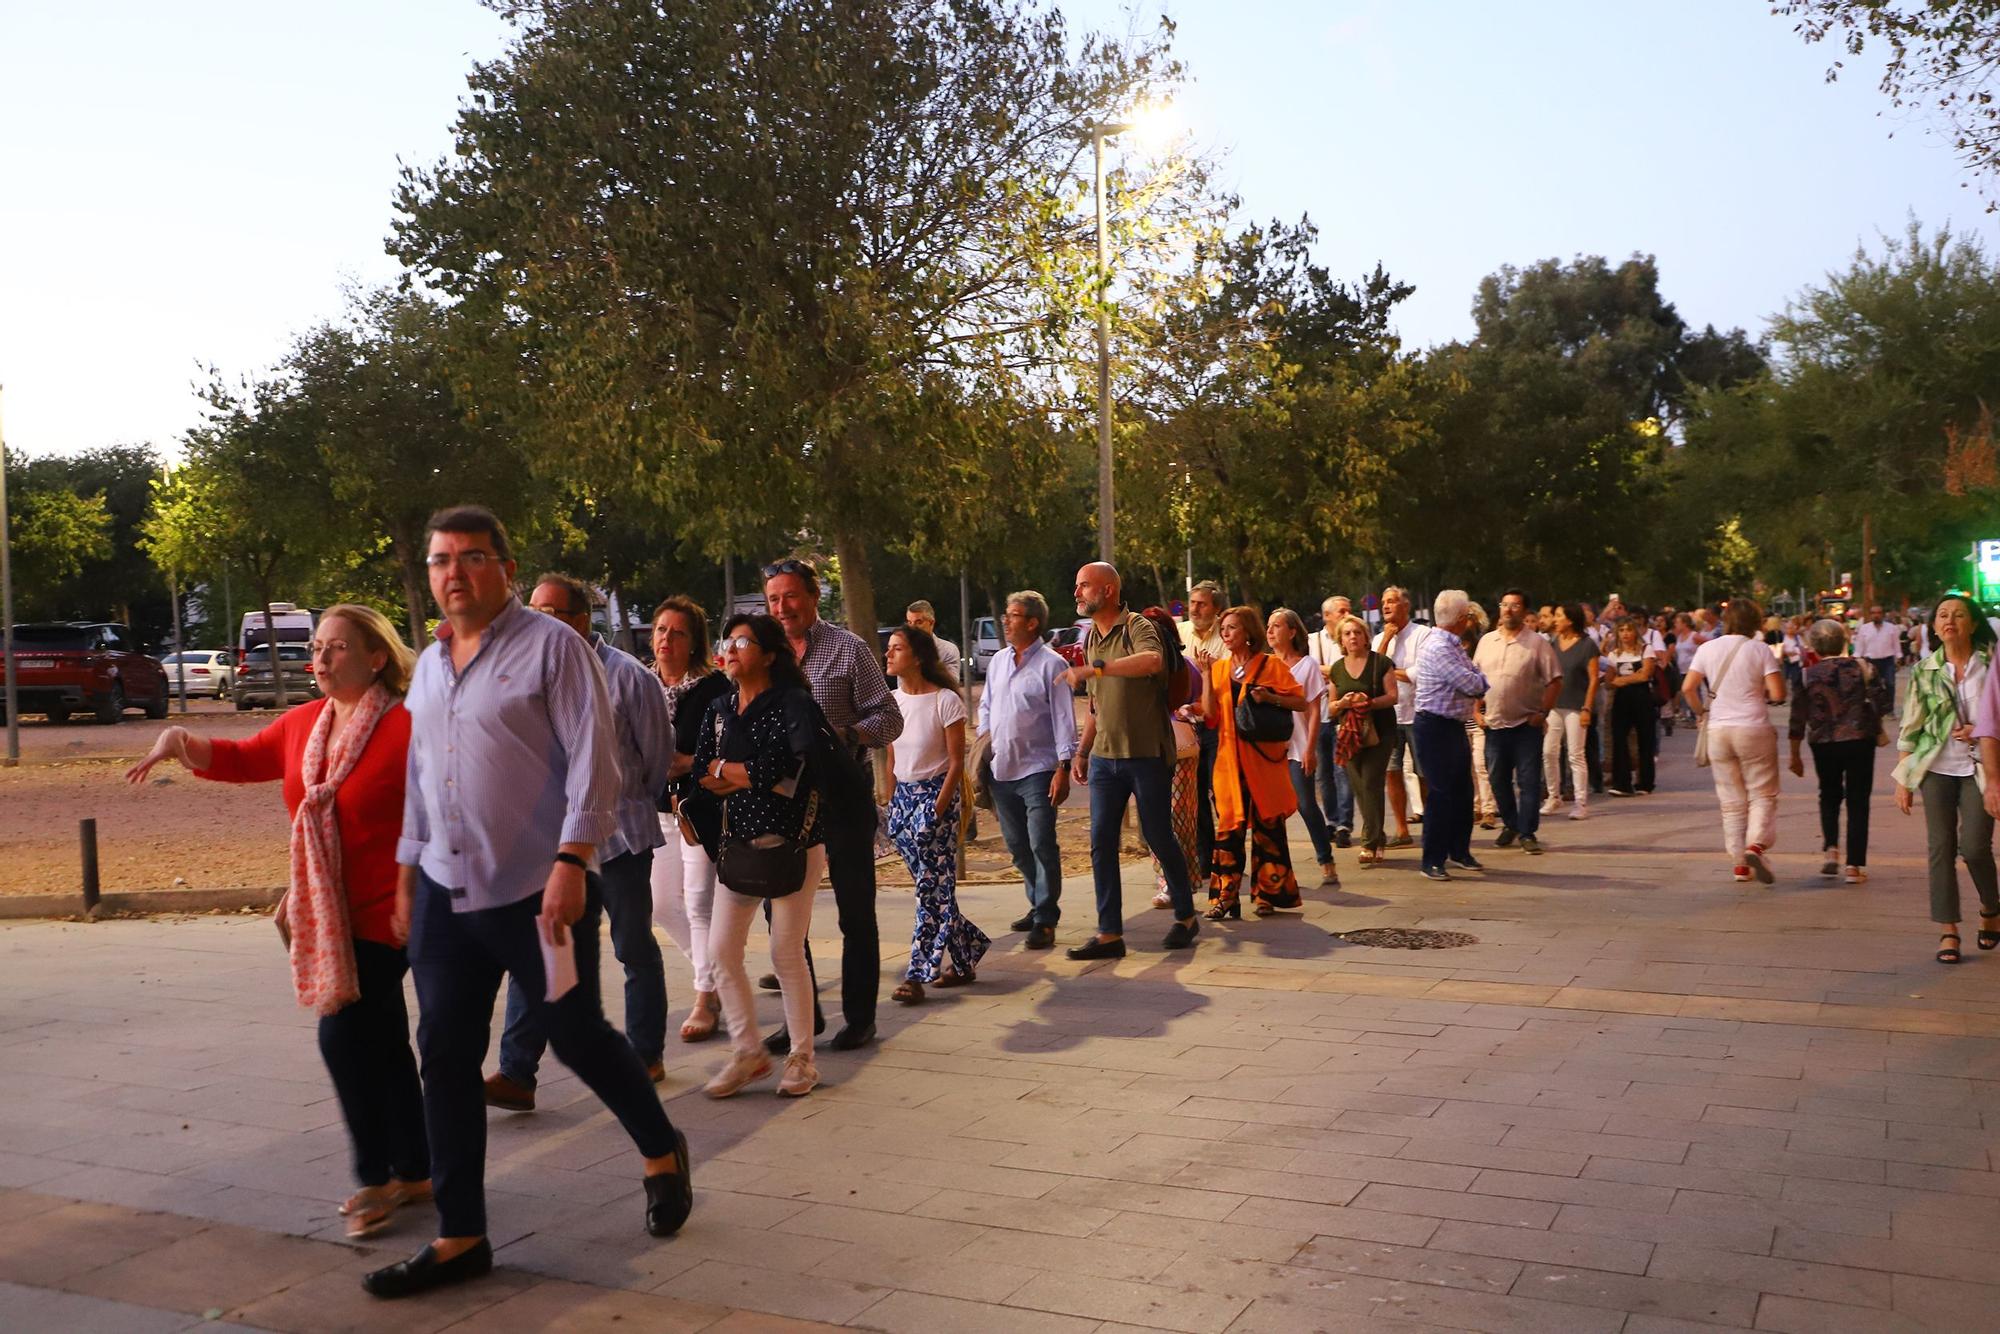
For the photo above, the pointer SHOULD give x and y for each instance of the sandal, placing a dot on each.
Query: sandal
(370, 1209)
(1948, 953)
(1224, 912)
(1263, 909)
(1988, 939)
(910, 993)
(955, 979)
(1161, 900)
(700, 1023)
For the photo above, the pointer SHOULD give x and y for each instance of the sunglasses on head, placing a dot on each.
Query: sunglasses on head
(790, 566)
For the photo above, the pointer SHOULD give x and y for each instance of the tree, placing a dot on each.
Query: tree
(113, 581)
(782, 264)
(56, 534)
(1942, 54)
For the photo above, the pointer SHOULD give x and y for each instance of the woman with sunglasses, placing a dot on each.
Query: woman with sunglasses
(751, 754)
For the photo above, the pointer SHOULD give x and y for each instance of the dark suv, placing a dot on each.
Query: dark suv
(66, 667)
(253, 676)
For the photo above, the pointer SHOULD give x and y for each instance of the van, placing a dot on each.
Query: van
(292, 628)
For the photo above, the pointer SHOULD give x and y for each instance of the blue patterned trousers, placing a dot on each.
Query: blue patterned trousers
(928, 843)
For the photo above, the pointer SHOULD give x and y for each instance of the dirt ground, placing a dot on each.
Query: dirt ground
(181, 832)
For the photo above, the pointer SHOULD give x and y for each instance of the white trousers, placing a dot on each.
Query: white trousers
(729, 933)
(1744, 761)
(1565, 724)
(684, 898)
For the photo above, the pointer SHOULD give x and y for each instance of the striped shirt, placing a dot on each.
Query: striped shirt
(645, 749)
(509, 759)
(1446, 679)
(849, 684)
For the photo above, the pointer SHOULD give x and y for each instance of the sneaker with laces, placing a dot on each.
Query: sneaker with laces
(1552, 805)
(1829, 865)
(1742, 874)
(743, 1068)
(1580, 811)
(1760, 866)
(801, 1076)
(1856, 874)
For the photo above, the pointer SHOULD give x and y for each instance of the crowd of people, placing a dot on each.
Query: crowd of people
(483, 810)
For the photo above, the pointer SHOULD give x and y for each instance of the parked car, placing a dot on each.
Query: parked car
(209, 671)
(1068, 641)
(253, 677)
(66, 667)
(986, 642)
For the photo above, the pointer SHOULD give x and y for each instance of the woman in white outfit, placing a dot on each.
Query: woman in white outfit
(1744, 678)
(683, 875)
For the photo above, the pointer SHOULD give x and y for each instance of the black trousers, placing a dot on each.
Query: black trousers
(850, 866)
(366, 1047)
(1204, 797)
(458, 959)
(1846, 771)
(1634, 718)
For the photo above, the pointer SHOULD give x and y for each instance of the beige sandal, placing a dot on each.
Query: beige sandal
(370, 1209)
(699, 1026)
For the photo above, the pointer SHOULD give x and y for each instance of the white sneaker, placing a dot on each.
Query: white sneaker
(1552, 805)
(743, 1068)
(801, 1076)
(1581, 811)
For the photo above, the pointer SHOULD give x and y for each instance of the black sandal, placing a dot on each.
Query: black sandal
(1948, 953)
(1987, 939)
(1221, 912)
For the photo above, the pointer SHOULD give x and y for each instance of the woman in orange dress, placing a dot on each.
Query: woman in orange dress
(1253, 780)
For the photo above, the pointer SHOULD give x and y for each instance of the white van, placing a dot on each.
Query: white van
(289, 625)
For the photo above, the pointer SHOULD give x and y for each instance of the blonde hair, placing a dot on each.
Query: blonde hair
(1340, 628)
(380, 636)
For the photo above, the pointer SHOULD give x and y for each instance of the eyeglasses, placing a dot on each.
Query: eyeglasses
(319, 646)
(474, 561)
(791, 566)
(735, 645)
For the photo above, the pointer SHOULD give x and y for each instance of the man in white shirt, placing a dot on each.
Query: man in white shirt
(1399, 641)
(1879, 643)
(1336, 798)
(1029, 715)
(923, 616)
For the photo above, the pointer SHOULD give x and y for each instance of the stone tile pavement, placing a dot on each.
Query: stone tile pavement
(1648, 1100)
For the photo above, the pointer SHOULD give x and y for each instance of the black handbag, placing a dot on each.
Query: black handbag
(768, 867)
(1257, 721)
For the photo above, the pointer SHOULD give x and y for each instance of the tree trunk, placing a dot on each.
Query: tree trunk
(410, 565)
(278, 697)
(857, 582)
(622, 634)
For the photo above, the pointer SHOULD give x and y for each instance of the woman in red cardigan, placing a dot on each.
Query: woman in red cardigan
(341, 759)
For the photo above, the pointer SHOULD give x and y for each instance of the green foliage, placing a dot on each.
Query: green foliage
(56, 534)
(107, 580)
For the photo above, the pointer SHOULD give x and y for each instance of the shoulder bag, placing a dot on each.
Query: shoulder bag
(1882, 737)
(1258, 722)
(768, 867)
(1369, 735)
(1701, 723)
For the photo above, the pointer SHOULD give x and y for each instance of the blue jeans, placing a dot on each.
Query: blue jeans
(1444, 752)
(1336, 796)
(1148, 781)
(1514, 766)
(1028, 823)
(1309, 814)
(626, 884)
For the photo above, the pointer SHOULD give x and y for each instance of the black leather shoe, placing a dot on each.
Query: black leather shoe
(424, 1271)
(851, 1037)
(780, 1041)
(1466, 863)
(1023, 923)
(768, 982)
(1095, 948)
(1436, 873)
(1506, 839)
(1180, 935)
(1041, 938)
(670, 1195)
(1343, 838)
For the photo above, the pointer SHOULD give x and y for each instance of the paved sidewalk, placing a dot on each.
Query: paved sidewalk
(1647, 1100)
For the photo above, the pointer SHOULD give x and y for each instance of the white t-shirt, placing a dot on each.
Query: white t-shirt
(1306, 672)
(1321, 649)
(1401, 649)
(920, 749)
(1739, 700)
(1877, 641)
(1955, 760)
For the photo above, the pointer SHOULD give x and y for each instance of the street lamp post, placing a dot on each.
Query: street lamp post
(12, 699)
(1099, 132)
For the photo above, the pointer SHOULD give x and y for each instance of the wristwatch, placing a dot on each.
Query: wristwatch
(1098, 666)
(571, 859)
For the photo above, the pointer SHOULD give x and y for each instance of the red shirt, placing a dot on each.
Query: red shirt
(368, 809)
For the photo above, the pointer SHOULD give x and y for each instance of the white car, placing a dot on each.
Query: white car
(209, 672)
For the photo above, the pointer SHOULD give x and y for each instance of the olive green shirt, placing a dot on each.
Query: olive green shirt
(1131, 711)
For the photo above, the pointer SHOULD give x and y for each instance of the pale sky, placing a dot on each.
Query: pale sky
(190, 185)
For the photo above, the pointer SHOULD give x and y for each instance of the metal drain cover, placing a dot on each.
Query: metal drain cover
(1407, 938)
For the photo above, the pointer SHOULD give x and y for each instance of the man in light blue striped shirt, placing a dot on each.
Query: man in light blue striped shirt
(1447, 683)
(645, 750)
(513, 786)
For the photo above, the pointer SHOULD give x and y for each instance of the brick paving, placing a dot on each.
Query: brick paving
(1648, 1100)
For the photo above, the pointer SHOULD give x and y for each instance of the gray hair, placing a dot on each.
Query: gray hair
(1451, 605)
(1828, 638)
(1210, 587)
(1034, 604)
(1294, 623)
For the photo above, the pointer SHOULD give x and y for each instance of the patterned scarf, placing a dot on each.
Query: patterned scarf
(1930, 712)
(314, 910)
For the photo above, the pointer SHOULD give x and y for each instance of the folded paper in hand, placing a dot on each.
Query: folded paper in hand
(558, 961)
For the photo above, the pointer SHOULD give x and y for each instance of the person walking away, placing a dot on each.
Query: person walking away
(1027, 713)
(625, 877)
(1743, 680)
(1576, 659)
(340, 762)
(1446, 685)
(1879, 644)
(1363, 690)
(1286, 633)
(928, 760)
(1399, 642)
(1126, 754)
(1183, 688)
(512, 785)
(754, 754)
(1628, 675)
(1839, 709)
(1336, 794)
(1201, 644)
(848, 685)
(1253, 789)
(690, 818)
(1524, 678)
(1946, 755)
